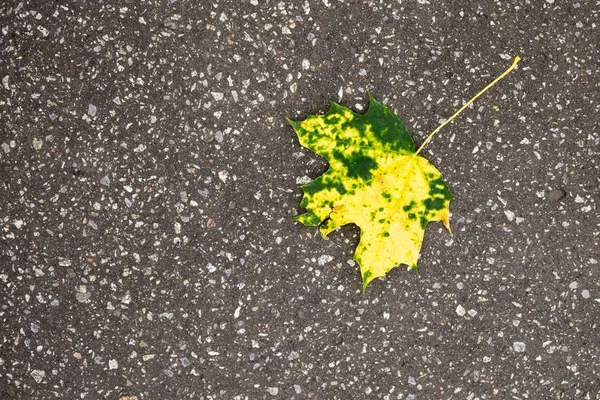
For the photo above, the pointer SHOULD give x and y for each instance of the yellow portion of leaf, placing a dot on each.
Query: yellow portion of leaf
(376, 181)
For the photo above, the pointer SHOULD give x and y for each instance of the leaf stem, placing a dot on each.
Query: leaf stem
(468, 103)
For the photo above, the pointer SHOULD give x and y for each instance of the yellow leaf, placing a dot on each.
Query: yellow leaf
(376, 181)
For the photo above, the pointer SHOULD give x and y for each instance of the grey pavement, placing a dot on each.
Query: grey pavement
(149, 180)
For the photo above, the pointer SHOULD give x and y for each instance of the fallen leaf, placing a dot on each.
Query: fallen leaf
(376, 181)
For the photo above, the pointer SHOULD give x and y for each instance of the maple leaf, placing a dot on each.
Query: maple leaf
(375, 180)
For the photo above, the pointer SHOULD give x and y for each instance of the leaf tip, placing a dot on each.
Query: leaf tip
(309, 218)
(324, 230)
(367, 277)
(446, 222)
(364, 285)
(293, 123)
(372, 99)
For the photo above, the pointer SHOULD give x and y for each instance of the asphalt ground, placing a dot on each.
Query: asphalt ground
(149, 180)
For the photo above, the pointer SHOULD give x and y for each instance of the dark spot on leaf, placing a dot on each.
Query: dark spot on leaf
(438, 187)
(358, 164)
(339, 186)
(314, 186)
(409, 206)
(362, 166)
(436, 203)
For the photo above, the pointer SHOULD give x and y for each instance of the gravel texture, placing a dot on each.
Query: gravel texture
(148, 181)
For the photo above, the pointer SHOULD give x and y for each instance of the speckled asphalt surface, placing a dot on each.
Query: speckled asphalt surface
(148, 181)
